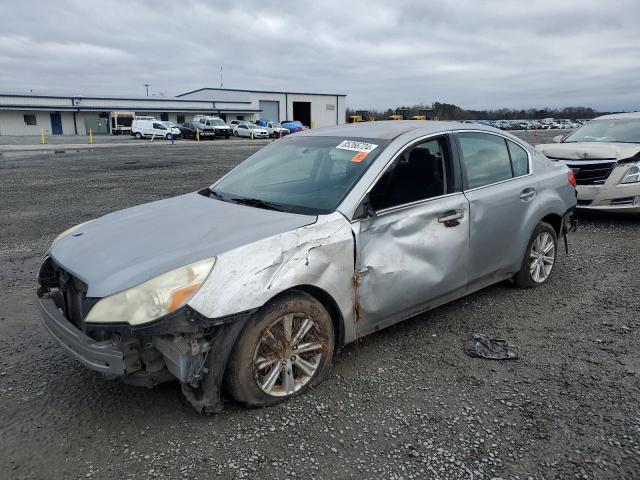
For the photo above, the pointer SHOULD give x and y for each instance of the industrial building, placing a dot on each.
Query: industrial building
(28, 114)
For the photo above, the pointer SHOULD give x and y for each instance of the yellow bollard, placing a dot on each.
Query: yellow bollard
(42, 136)
(197, 135)
(91, 136)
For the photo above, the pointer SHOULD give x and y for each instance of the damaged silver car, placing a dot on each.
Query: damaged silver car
(604, 155)
(252, 285)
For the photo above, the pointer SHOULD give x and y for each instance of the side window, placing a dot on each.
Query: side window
(158, 126)
(419, 173)
(519, 159)
(486, 158)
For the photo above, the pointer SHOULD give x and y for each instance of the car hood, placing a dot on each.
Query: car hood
(125, 248)
(590, 151)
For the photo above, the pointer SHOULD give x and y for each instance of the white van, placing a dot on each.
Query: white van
(153, 128)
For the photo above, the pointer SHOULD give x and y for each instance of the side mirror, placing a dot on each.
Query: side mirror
(558, 138)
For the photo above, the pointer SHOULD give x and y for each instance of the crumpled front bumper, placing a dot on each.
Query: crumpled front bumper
(102, 356)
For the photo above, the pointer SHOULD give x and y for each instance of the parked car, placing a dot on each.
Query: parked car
(275, 129)
(250, 130)
(211, 127)
(314, 241)
(604, 155)
(234, 124)
(294, 126)
(188, 129)
(153, 128)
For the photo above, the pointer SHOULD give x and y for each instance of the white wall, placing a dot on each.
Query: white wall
(320, 116)
(12, 123)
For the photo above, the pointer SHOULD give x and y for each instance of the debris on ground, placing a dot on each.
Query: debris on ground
(492, 348)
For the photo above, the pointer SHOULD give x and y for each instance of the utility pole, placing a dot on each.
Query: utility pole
(221, 83)
(146, 85)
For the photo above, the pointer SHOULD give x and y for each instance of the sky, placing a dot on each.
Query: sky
(475, 54)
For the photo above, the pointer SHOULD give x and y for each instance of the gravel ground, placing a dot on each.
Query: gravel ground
(403, 403)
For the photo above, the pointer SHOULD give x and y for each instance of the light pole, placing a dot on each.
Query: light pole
(146, 85)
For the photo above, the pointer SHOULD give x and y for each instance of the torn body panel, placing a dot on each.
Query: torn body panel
(408, 257)
(320, 255)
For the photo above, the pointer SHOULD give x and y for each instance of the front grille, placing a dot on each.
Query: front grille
(622, 201)
(588, 173)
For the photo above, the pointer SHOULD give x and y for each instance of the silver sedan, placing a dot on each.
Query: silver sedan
(252, 284)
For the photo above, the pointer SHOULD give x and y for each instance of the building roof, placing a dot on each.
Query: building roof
(90, 97)
(261, 91)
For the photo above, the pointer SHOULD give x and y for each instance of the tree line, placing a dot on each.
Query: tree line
(448, 111)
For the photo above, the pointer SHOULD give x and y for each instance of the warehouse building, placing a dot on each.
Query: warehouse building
(29, 114)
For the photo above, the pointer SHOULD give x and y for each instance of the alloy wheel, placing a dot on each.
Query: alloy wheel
(288, 355)
(542, 257)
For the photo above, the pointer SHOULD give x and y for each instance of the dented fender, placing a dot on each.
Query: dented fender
(320, 254)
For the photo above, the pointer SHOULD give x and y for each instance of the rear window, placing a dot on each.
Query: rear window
(486, 158)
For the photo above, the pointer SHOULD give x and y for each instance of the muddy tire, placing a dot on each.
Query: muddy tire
(539, 258)
(285, 349)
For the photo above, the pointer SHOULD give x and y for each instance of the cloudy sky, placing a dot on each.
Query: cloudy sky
(476, 54)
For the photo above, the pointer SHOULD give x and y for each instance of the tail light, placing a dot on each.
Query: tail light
(572, 178)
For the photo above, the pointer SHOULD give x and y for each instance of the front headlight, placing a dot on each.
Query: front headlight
(154, 298)
(633, 175)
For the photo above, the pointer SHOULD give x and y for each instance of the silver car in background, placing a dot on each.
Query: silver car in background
(318, 239)
(604, 155)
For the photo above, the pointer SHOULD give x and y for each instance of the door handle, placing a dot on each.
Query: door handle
(527, 194)
(450, 218)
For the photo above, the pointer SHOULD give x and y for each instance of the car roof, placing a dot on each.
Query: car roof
(619, 116)
(390, 129)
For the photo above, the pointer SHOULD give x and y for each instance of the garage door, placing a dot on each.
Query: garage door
(270, 110)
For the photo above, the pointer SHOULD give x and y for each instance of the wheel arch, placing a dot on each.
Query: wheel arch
(327, 301)
(555, 221)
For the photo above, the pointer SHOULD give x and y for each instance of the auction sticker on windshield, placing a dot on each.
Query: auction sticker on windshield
(357, 146)
(362, 148)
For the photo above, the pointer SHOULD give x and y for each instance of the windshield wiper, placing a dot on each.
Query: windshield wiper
(256, 202)
(214, 194)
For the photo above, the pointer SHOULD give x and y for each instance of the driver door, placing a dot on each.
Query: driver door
(412, 248)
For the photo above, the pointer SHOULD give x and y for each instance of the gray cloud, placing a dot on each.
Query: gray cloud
(475, 54)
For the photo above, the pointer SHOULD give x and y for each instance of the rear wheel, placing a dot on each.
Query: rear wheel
(540, 257)
(285, 349)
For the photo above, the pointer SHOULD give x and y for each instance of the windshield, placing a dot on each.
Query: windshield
(276, 125)
(624, 131)
(309, 175)
(217, 122)
(251, 125)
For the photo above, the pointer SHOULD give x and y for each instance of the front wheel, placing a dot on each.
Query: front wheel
(138, 135)
(540, 257)
(285, 349)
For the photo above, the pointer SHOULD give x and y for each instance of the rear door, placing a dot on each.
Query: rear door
(412, 245)
(501, 190)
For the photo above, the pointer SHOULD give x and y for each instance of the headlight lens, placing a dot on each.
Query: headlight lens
(69, 231)
(633, 175)
(154, 298)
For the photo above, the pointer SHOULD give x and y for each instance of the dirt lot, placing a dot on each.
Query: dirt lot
(403, 403)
